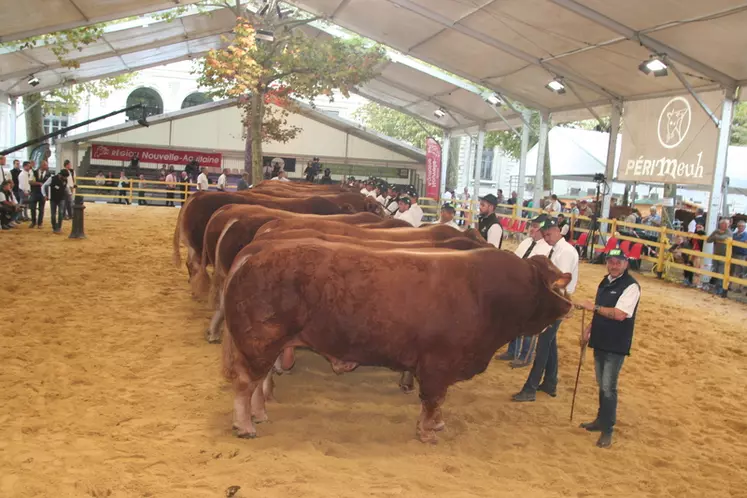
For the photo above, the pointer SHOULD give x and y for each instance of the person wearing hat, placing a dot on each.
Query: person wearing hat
(390, 201)
(447, 216)
(404, 212)
(520, 349)
(381, 189)
(610, 335)
(488, 225)
(565, 257)
(417, 211)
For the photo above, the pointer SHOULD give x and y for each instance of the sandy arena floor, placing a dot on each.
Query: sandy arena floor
(108, 388)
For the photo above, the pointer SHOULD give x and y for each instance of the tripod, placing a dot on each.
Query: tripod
(600, 180)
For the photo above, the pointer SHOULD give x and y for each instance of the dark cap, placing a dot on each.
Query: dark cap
(540, 219)
(448, 207)
(490, 199)
(616, 254)
(548, 224)
(404, 199)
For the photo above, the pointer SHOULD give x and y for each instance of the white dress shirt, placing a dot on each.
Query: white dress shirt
(417, 215)
(381, 200)
(692, 226)
(202, 182)
(406, 216)
(222, 182)
(565, 257)
(364, 191)
(277, 178)
(495, 235)
(628, 300)
(447, 196)
(24, 181)
(452, 224)
(554, 207)
(541, 248)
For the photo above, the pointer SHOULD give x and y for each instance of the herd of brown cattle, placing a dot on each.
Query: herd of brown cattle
(303, 265)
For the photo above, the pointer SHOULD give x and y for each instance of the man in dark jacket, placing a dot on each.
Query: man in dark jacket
(610, 334)
(41, 175)
(55, 191)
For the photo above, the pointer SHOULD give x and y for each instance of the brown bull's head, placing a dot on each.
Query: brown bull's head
(474, 234)
(373, 206)
(555, 280)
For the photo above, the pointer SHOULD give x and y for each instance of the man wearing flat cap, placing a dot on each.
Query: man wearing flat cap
(565, 257)
(610, 335)
(489, 226)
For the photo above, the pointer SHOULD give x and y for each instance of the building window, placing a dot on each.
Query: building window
(196, 98)
(55, 123)
(486, 166)
(150, 100)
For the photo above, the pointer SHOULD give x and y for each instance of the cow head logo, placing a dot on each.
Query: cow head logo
(674, 122)
(102, 150)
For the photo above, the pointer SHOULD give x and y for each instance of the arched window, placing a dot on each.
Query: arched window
(196, 98)
(149, 98)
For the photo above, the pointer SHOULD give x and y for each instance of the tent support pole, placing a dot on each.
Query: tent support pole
(478, 164)
(445, 151)
(609, 169)
(692, 92)
(539, 186)
(719, 174)
(526, 116)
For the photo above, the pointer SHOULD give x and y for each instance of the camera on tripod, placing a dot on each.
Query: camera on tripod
(600, 178)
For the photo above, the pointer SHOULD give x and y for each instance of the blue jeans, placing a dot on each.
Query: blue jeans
(545, 361)
(58, 214)
(607, 367)
(526, 342)
(718, 267)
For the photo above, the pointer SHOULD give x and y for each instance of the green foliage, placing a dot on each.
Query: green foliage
(396, 124)
(739, 125)
(67, 100)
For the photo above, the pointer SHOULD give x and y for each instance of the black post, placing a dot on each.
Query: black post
(78, 208)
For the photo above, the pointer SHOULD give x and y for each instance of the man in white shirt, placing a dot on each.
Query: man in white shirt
(416, 211)
(699, 219)
(403, 212)
(610, 334)
(24, 189)
(380, 189)
(282, 176)
(565, 257)
(489, 226)
(170, 188)
(391, 205)
(222, 181)
(520, 349)
(202, 181)
(447, 216)
(554, 205)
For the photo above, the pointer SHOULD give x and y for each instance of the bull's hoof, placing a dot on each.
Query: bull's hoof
(407, 389)
(439, 426)
(214, 340)
(260, 419)
(246, 435)
(427, 437)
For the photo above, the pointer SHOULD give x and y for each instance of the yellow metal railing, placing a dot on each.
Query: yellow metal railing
(131, 189)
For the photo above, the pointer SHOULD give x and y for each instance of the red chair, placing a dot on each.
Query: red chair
(522, 227)
(505, 222)
(625, 247)
(581, 239)
(514, 227)
(611, 244)
(635, 252)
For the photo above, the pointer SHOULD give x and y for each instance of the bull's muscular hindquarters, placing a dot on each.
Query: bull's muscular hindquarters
(315, 293)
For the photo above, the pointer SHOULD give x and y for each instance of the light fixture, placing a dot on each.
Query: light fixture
(33, 80)
(439, 113)
(556, 86)
(655, 65)
(264, 34)
(495, 99)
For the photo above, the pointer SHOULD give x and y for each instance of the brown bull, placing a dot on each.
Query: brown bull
(235, 243)
(355, 306)
(248, 219)
(359, 202)
(196, 212)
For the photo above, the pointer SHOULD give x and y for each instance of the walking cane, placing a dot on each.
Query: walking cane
(580, 360)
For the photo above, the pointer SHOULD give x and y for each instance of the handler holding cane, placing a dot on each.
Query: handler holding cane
(610, 334)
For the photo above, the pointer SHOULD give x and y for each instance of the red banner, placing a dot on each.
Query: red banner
(432, 168)
(159, 156)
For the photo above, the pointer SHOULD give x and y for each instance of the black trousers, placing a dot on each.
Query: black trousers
(37, 205)
(58, 214)
(170, 197)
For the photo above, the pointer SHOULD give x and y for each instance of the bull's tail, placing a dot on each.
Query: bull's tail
(230, 355)
(218, 274)
(176, 256)
(201, 279)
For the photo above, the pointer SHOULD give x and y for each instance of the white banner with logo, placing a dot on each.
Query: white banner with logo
(669, 140)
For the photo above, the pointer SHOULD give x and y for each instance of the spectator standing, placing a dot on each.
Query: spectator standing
(326, 179)
(447, 216)
(466, 206)
(740, 254)
(243, 182)
(489, 226)
(553, 205)
(123, 185)
(14, 175)
(282, 176)
(574, 209)
(3, 175)
(55, 191)
(41, 175)
(170, 188)
(203, 184)
(448, 196)
(141, 185)
(514, 198)
(499, 196)
(222, 181)
(565, 227)
(70, 191)
(100, 181)
(699, 219)
(184, 179)
(24, 189)
(719, 238)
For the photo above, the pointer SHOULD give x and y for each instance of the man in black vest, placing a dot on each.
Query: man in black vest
(489, 226)
(610, 334)
(41, 175)
(55, 190)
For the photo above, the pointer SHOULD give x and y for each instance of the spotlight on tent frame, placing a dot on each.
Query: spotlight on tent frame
(439, 113)
(654, 65)
(495, 99)
(556, 86)
(33, 80)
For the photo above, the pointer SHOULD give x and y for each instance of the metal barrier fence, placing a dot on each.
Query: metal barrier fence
(660, 237)
(130, 191)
